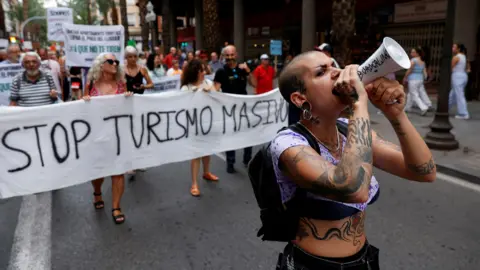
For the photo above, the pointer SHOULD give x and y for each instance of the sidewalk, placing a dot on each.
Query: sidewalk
(462, 163)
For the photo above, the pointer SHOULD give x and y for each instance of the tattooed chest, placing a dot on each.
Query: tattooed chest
(350, 230)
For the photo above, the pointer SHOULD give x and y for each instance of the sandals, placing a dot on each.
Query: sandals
(118, 219)
(194, 191)
(98, 204)
(210, 176)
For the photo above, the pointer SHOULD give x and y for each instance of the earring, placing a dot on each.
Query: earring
(307, 114)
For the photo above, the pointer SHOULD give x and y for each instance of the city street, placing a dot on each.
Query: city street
(416, 226)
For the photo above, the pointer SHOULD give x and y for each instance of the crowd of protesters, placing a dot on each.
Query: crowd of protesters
(48, 80)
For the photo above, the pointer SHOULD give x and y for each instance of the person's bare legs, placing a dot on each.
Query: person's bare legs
(207, 175)
(195, 168)
(206, 164)
(97, 190)
(118, 187)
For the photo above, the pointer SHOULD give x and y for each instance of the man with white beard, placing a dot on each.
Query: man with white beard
(33, 87)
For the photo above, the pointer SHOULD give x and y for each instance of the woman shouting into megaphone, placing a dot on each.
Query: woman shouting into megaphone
(337, 178)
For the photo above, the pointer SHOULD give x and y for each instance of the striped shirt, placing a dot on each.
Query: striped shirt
(28, 93)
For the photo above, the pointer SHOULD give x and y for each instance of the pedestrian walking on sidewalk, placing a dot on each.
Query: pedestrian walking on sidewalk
(325, 174)
(106, 77)
(193, 79)
(459, 81)
(415, 78)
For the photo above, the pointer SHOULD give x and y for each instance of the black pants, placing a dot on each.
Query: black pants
(294, 258)
(247, 155)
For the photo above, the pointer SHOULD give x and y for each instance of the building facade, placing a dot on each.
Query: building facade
(303, 24)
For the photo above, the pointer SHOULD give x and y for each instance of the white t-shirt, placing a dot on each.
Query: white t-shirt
(54, 68)
(190, 87)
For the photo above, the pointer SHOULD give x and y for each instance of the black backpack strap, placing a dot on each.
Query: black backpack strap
(342, 128)
(312, 141)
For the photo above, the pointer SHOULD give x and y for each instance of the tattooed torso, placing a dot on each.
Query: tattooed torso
(339, 238)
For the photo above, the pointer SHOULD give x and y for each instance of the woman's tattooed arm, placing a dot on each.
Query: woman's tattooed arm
(411, 160)
(350, 231)
(346, 182)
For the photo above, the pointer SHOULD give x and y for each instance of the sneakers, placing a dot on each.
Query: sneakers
(462, 117)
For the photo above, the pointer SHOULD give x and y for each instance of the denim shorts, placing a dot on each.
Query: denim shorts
(294, 258)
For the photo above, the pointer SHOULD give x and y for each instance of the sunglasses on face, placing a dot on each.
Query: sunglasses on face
(111, 61)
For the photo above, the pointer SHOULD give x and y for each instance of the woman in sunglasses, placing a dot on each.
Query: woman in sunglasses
(135, 74)
(106, 77)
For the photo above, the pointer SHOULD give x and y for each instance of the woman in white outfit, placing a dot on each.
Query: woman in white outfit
(459, 81)
(415, 77)
(193, 79)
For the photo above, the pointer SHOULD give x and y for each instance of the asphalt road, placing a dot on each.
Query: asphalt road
(416, 226)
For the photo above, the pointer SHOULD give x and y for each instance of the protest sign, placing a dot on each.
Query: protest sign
(55, 18)
(7, 73)
(3, 43)
(169, 83)
(85, 42)
(113, 134)
(275, 47)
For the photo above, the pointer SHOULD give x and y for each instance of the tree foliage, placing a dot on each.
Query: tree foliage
(80, 11)
(35, 8)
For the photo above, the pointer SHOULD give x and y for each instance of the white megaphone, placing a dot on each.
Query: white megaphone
(390, 57)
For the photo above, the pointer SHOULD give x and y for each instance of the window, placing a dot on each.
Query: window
(132, 19)
(131, 2)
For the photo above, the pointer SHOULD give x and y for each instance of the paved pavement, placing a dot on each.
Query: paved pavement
(416, 226)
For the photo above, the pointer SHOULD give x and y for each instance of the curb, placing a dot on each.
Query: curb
(458, 174)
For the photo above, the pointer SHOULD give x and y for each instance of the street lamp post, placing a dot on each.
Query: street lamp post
(440, 137)
(22, 26)
(151, 17)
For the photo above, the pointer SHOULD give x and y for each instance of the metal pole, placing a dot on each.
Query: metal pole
(154, 35)
(440, 137)
(22, 26)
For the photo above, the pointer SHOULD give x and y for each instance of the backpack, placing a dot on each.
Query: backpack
(279, 220)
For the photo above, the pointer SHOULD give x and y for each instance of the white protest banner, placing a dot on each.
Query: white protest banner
(53, 147)
(7, 72)
(85, 42)
(55, 18)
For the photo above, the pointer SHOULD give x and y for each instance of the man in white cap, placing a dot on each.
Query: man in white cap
(263, 76)
(328, 50)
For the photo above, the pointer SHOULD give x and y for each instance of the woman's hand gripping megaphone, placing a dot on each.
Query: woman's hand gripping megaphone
(387, 95)
(348, 86)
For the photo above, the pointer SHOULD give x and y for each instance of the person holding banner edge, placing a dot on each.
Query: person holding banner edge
(232, 79)
(106, 77)
(193, 79)
(339, 181)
